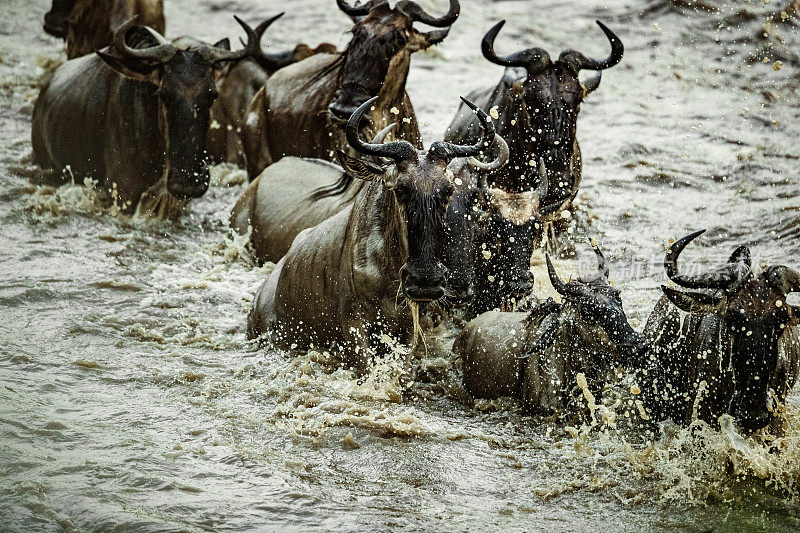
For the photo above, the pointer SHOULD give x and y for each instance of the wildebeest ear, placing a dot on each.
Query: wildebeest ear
(357, 168)
(225, 44)
(137, 70)
(692, 302)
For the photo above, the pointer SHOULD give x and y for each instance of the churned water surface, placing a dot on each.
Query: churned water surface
(130, 400)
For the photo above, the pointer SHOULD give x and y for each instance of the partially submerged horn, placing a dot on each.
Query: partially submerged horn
(499, 162)
(721, 278)
(160, 53)
(532, 59)
(397, 150)
(212, 54)
(417, 14)
(580, 61)
(448, 150)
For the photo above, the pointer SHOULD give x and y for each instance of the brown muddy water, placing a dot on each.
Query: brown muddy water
(130, 400)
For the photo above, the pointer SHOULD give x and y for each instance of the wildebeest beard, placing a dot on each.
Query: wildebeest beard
(425, 223)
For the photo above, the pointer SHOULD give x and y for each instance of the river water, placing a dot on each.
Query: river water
(130, 399)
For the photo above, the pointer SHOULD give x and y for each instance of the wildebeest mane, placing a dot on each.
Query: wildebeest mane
(336, 188)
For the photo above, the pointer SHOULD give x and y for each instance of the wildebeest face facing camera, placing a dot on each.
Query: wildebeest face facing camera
(553, 96)
(55, 20)
(509, 230)
(383, 38)
(420, 185)
(184, 82)
(187, 91)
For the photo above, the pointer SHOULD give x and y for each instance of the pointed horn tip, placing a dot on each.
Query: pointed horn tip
(469, 104)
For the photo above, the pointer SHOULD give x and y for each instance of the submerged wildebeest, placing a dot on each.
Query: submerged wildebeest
(87, 25)
(134, 116)
(342, 281)
(538, 101)
(537, 356)
(733, 348)
(300, 109)
(238, 85)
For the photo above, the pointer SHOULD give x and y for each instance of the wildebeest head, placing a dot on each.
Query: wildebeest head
(509, 231)
(461, 224)
(752, 307)
(383, 37)
(420, 184)
(551, 94)
(55, 20)
(593, 312)
(184, 81)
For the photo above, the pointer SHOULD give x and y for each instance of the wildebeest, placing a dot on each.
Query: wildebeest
(282, 202)
(538, 101)
(342, 281)
(730, 347)
(133, 116)
(537, 356)
(734, 349)
(238, 85)
(301, 108)
(87, 25)
(508, 232)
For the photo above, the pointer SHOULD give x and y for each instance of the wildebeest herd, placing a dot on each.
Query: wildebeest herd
(370, 235)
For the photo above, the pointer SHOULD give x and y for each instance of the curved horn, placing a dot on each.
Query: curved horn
(581, 61)
(213, 54)
(448, 150)
(417, 14)
(358, 10)
(499, 162)
(397, 150)
(532, 59)
(721, 278)
(378, 139)
(270, 61)
(161, 53)
(555, 281)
